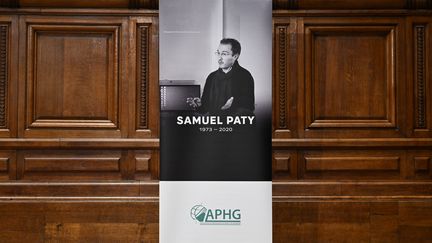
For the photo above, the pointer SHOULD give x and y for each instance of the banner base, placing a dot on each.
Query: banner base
(215, 212)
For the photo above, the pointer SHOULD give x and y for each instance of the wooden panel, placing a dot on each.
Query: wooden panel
(143, 79)
(350, 67)
(277, 4)
(284, 165)
(352, 77)
(95, 232)
(147, 165)
(21, 226)
(80, 189)
(144, 98)
(294, 221)
(73, 78)
(415, 221)
(4, 164)
(419, 49)
(4, 77)
(321, 222)
(384, 228)
(423, 167)
(105, 221)
(69, 165)
(8, 75)
(340, 221)
(420, 79)
(149, 4)
(351, 4)
(4, 168)
(7, 165)
(352, 189)
(351, 164)
(420, 164)
(285, 71)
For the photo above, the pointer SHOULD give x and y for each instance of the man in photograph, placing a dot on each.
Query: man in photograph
(230, 89)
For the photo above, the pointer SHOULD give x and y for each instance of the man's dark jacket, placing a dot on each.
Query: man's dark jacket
(220, 86)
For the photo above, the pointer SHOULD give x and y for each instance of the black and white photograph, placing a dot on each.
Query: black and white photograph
(215, 82)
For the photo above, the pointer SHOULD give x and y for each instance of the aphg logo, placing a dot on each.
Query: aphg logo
(218, 216)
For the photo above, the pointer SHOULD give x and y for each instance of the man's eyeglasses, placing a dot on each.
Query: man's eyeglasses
(223, 54)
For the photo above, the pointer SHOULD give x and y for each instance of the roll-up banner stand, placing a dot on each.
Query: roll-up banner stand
(215, 144)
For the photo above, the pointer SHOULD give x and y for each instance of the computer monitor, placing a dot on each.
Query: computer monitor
(173, 97)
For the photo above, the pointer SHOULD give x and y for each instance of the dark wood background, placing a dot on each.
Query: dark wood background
(352, 121)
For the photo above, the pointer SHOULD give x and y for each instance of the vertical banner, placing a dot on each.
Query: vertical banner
(215, 145)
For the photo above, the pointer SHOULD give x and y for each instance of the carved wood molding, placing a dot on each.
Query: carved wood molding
(282, 74)
(420, 76)
(143, 77)
(3, 73)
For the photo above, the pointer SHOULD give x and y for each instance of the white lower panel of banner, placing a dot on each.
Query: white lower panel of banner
(215, 212)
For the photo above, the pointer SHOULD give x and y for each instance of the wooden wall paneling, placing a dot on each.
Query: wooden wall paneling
(419, 4)
(300, 77)
(351, 165)
(354, 83)
(8, 75)
(70, 165)
(72, 79)
(420, 164)
(77, 189)
(352, 188)
(284, 165)
(357, 221)
(103, 222)
(77, 221)
(147, 165)
(277, 4)
(415, 221)
(133, 4)
(9, 3)
(294, 221)
(350, 4)
(384, 223)
(21, 224)
(419, 51)
(7, 165)
(285, 77)
(144, 82)
(337, 221)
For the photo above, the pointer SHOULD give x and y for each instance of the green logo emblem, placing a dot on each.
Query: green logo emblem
(218, 216)
(198, 212)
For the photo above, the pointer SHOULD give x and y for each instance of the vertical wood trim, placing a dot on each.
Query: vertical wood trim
(420, 103)
(282, 75)
(3, 74)
(143, 77)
